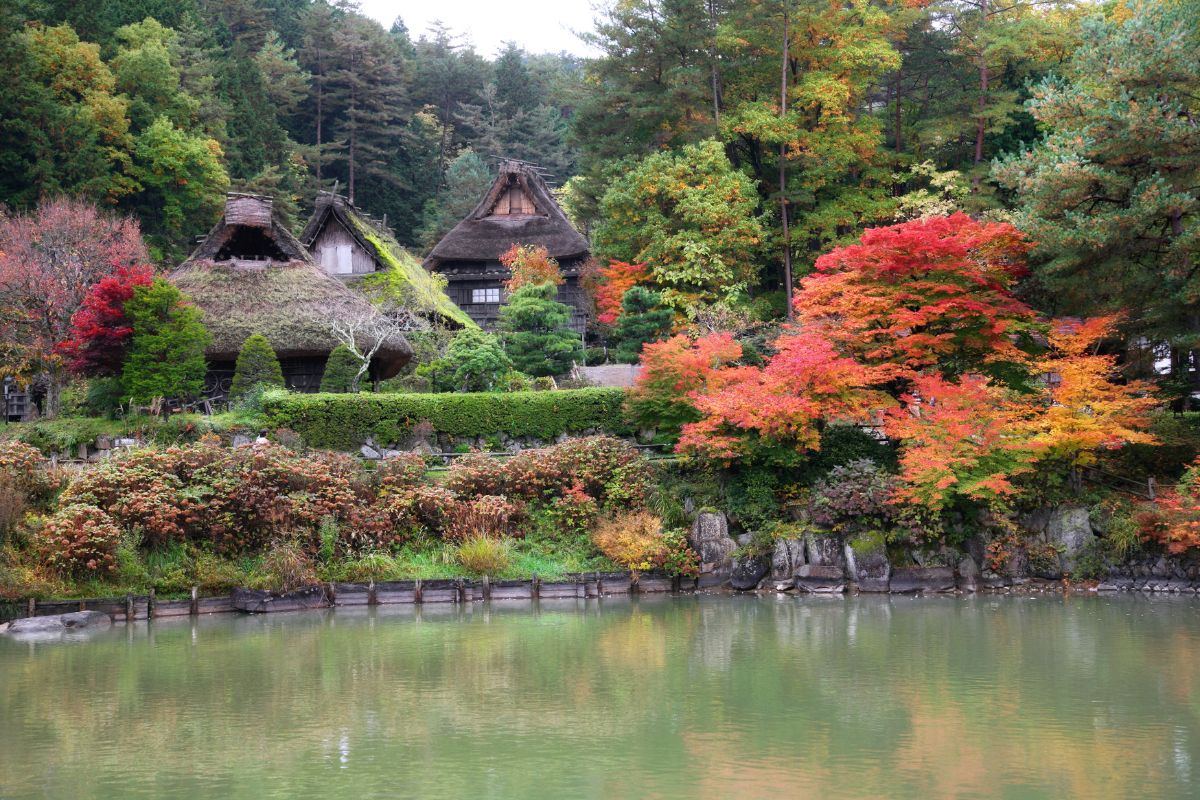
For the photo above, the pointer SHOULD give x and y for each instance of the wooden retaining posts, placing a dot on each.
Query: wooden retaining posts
(131, 608)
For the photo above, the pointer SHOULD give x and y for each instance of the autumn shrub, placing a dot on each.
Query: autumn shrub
(288, 567)
(1172, 520)
(678, 557)
(574, 511)
(25, 469)
(402, 471)
(486, 515)
(856, 498)
(634, 540)
(13, 508)
(79, 540)
(483, 555)
(600, 466)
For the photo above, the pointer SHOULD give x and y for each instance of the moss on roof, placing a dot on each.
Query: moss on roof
(406, 269)
(423, 289)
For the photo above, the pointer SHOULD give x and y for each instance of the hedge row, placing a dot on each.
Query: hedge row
(344, 421)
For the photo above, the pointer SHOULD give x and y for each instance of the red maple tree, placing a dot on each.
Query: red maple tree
(929, 293)
(100, 331)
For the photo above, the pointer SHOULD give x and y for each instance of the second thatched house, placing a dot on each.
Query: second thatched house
(518, 209)
(250, 275)
(347, 245)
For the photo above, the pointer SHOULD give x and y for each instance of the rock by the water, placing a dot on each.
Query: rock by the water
(825, 551)
(968, 574)
(709, 537)
(369, 452)
(787, 558)
(871, 570)
(820, 579)
(748, 571)
(922, 579)
(60, 623)
(1070, 529)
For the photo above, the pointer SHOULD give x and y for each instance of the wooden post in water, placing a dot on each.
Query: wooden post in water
(535, 588)
(31, 606)
(129, 607)
(460, 587)
(150, 604)
(487, 588)
(194, 608)
(331, 594)
(417, 591)
(372, 597)
(82, 605)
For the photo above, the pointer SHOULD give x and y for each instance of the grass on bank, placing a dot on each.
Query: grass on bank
(172, 571)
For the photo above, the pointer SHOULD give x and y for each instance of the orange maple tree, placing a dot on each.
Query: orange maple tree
(959, 438)
(806, 383)
(530, 265)
(1083, 408)
(614, 281)
(673, 372)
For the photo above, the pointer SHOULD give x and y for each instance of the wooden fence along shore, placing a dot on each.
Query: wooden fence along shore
(330, 595)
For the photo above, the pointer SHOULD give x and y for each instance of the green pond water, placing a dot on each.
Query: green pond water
(703, 696)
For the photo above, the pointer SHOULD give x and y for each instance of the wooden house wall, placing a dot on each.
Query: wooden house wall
(324, 251)
(465, 277)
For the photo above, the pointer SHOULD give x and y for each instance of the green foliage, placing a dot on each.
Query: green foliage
(474, 362)
(483, 555)
(536, 331)
(1110, 195)
(344, 421)
(691, 217)
(467, 179)
(257, 366)
(341, 369)
(643, 319)
(166, 358)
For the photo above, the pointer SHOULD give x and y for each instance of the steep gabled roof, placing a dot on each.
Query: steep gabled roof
(487, 232)
(385, 250)
(250, 275)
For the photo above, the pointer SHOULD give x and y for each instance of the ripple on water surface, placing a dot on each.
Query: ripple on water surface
(660, 697)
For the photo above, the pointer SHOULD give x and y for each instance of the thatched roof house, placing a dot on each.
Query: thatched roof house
(347, 245)
(251, 275)
(518, 209)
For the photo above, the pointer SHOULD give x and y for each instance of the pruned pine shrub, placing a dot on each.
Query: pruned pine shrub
(484, 555)
(257, 366)
(79, 540)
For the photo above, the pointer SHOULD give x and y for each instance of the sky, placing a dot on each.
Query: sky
(537, 26)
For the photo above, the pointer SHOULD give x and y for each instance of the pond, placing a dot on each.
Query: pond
(692, 696)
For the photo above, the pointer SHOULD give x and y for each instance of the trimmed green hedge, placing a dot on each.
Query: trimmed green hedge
(344, 421)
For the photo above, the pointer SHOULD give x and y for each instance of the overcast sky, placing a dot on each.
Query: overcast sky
(538, 26)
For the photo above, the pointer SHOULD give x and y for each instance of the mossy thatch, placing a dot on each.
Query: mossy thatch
(283, 295)
(389, 256)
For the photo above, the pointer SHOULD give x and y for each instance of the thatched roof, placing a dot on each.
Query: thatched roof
(388, 254)
(256, 277)
(488, 232)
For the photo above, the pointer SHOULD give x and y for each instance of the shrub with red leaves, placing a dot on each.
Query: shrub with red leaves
(79, 541)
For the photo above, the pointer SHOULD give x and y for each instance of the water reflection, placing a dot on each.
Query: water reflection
(662, 697)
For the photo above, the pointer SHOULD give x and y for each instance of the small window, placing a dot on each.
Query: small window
(485, 295)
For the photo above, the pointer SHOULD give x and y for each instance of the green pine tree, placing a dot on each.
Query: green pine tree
(340, 371)
(166, 358)
(256, 366)
(536, 331)
(474, 362)
(643, 319)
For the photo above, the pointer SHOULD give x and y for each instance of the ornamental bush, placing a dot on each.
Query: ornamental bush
(80, 540)
(340, 370)
(257, 365)
(345, 421)
(25, 469)
(601, 467)
(635, 540)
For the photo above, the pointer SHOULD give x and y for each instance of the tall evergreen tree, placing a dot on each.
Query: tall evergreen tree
(643, 320)
(166, 357)
(256, 365)
(536, 332)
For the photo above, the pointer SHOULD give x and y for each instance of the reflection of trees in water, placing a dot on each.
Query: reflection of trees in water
(707, 695)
